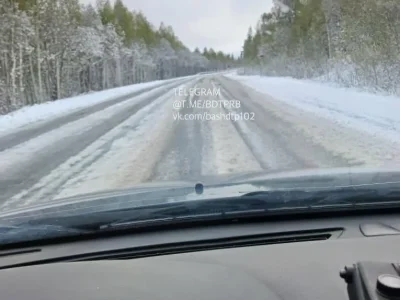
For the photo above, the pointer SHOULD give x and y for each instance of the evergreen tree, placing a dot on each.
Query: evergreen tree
(52, 49)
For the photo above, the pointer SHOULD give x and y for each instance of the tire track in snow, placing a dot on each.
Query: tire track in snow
(24, 165)
(276, 142)
(319, 140)
(24, 134)
(183, 156)
(265, 136)
(141, 168)
(45, 187)
(132, 157)
(228, 152)
(204, 147)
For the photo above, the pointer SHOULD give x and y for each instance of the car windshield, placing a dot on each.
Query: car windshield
(108, 105)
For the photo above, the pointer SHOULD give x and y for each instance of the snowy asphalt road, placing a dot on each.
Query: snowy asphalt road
(135, 139)
(13, 139)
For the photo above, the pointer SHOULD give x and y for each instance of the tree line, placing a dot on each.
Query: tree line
(53, 49)
(352, 42)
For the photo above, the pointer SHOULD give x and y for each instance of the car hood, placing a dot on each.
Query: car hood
(214, 187)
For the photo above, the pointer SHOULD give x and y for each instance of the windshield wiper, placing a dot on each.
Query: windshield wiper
(250, 204)
(263, 202)
(11, 233)
(254, 204)
(324, 197)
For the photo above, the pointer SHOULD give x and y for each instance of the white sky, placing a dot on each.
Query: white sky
(220, 24)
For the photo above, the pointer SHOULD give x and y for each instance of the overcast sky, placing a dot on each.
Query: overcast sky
(220, 24)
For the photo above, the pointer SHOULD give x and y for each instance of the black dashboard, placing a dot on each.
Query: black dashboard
(288, 259)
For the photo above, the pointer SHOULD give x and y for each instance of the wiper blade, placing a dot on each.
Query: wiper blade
(324, 197)
(256, 203)
(263, 202)
(25, 232)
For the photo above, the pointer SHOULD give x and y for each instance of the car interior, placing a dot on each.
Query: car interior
(300, 257)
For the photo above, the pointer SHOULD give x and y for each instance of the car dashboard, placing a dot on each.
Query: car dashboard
(279, 259)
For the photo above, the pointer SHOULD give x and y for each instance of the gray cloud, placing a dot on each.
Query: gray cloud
(220, 24)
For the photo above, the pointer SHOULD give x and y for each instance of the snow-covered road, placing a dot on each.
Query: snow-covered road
(140, 138)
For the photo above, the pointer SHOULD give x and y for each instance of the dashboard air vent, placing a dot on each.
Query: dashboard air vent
(220, 243)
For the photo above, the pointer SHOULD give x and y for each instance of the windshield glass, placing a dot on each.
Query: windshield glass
(135, 102)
